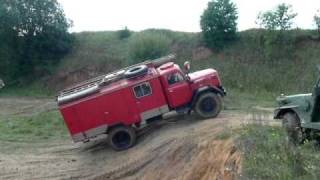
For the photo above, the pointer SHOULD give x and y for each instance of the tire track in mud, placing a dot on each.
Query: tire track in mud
(214, 160)
(194, 155)
(129, 168)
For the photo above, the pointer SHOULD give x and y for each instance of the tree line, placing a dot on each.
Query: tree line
(34, 34)
(219, 22)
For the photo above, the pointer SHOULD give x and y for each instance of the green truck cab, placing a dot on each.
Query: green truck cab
(300, 115)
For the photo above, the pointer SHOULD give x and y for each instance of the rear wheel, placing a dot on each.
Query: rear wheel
(291, 123)
(121, 138)
(208, 105)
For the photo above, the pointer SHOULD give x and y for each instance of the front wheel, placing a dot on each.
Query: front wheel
(208, 105)
(122, 138)
(291, 123)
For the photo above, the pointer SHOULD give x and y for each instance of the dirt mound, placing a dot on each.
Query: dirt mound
(198, 155)
(216, 159)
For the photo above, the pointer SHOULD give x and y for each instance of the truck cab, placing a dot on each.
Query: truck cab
(300, 114)
(120, 103)
(180, 87)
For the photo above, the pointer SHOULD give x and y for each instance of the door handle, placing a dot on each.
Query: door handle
(138, 102)
(170, 91)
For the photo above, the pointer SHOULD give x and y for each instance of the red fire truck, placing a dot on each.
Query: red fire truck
(121, 102)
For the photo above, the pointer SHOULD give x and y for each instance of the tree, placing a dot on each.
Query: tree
(277, 43)
(219, 23)
(316, 20)
(35, 33)
(279, 19)
(124, 33)
(7, 42)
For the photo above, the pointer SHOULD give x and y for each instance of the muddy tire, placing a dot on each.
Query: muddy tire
(291, 124)
(208, 105)
(122, 138)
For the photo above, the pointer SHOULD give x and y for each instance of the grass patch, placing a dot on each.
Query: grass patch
(267, 155)
(241, 100)
(43, 126)
(226, 134)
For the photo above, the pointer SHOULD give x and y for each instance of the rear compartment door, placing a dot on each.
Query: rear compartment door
(90, 118)
(150, 100)
(114, 107)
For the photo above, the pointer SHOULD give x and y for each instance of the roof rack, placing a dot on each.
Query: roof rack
(92, 85)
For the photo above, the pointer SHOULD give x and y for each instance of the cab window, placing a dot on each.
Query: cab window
(175, 78)
(142, 90)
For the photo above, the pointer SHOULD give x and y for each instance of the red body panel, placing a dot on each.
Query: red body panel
(207, 77)
(117, 103)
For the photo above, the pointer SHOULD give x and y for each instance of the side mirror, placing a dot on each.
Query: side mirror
(186, 67)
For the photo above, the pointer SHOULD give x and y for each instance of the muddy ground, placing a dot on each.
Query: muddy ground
(181, 148)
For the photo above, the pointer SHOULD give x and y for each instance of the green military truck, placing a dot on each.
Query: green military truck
(300, 115)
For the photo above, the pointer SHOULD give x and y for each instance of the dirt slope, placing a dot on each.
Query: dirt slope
(183, 148)
(188, 150)
(25, 106)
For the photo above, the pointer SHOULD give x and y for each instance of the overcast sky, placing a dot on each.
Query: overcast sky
(180, 15)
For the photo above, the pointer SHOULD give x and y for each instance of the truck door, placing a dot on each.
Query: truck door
(178, 92)
(144, 98)
(150, 99)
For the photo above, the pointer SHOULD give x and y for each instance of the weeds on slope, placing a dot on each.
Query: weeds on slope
(268, 155)
(43, 126)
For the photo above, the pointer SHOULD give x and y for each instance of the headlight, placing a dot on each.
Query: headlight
(282, 100)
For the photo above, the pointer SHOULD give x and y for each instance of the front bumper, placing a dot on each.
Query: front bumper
(223, 90)
(276, 113)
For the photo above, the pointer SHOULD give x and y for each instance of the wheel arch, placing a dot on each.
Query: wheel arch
(203, 90)
(114, 126)
(279, 113)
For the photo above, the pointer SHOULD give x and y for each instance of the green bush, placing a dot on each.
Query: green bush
(278, 45)
(145, 46)
(124, 33)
